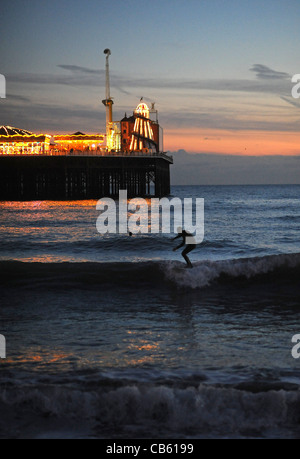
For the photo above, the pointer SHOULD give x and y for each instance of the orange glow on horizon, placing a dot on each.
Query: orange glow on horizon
(245, 143)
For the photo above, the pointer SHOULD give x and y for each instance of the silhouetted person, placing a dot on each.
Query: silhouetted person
(189, 245)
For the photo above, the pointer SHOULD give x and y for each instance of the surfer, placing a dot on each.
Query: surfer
(189, 245)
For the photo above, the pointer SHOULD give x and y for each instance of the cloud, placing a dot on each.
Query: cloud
(266, 73)
(232, 120)
(17, 98)
(75, 69)
(268, 81)
(211, 113)
(51, 79)
(52, 118)
(290, 100)
(78, 76)
(78, 69)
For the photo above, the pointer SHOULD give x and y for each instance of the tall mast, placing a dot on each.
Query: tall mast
(108, 102)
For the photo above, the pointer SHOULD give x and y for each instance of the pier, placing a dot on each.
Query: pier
(80, 166)
(82, 176)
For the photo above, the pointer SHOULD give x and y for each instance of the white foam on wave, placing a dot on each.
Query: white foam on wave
(146, 408)
(206, 271)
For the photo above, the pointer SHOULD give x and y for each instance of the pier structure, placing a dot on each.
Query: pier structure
(80, 166)
(83, 177)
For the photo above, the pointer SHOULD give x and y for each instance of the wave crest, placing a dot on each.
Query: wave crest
(207, 272)
(139, 409)
(156, 274)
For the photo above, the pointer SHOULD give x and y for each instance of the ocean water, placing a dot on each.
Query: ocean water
(109, 337)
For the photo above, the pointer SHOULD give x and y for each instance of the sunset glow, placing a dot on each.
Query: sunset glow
(245, 143)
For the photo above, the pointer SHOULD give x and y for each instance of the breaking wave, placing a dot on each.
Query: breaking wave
(267, 268)
(274, 268)
(136, 410)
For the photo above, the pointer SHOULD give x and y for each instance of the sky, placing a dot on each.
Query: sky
(219, 71)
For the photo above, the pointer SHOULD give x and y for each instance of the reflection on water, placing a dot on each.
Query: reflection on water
(38, 357)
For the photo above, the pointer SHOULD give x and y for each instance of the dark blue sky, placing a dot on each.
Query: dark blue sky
(206, 37)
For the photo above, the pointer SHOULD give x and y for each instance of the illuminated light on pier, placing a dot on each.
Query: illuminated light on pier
(14, 141)
(78, 142)
(139, 133)
(142, 138)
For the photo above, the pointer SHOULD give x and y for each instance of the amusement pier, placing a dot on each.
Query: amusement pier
(128, 156)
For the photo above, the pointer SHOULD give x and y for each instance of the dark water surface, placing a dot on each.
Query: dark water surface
(108, 337)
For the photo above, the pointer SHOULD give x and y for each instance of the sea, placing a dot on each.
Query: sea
(111, 337)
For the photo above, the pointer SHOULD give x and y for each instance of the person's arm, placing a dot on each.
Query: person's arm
(176, 237)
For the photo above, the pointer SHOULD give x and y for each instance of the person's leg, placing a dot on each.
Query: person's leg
(187, 250)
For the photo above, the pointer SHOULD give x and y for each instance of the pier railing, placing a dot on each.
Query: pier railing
(120, 154)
